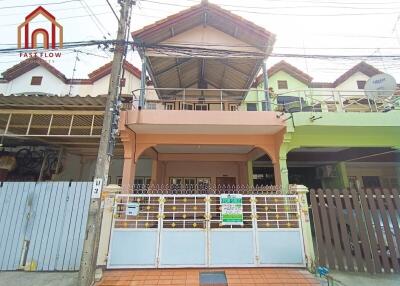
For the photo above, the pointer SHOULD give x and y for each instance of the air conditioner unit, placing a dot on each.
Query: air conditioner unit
(327, 171)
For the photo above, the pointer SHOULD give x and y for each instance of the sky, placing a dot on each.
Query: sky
(329, 27)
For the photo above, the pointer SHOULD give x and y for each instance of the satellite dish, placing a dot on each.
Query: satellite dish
(380, 85)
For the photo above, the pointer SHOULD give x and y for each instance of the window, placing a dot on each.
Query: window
(361, 84)
(282, 84)
(200, 106)
(36, 80)
(170, 106)
(151, 105)
(251, 106)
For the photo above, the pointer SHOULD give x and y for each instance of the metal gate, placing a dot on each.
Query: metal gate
(42, 225)
(357, 230)
(186, 231)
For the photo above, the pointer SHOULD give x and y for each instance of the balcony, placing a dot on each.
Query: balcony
(311, 100)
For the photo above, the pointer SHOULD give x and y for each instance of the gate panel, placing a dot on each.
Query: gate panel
(231, 245)
(183, 231)
(279, 236)
(135, 237)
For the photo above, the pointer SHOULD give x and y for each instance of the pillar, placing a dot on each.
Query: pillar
(250, 173)
(306, 227)
(107, 197)
(281, 173)
(128, 174)
(266, 86)
(154, 172)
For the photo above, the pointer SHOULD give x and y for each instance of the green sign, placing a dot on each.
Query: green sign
(231, 209)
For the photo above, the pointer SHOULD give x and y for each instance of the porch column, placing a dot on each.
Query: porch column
(250, 173)
(154, 172)
(281, 173)
(243, 177)
(128, 174)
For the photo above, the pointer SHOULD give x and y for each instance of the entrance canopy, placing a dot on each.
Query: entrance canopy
(203, 47)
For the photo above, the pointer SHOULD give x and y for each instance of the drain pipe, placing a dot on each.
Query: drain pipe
(266, 87)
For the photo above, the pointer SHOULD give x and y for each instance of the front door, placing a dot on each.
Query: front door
(225, 183)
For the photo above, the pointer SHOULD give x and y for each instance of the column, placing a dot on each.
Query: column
(108, 196)
(281, 174)
(250, 173)
(154, 172)
(128, 174)
(306, 227)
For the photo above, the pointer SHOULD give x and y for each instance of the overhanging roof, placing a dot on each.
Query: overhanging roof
(229, 59)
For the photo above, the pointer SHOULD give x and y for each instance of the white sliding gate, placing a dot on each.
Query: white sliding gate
(186, 231)
(42, 225)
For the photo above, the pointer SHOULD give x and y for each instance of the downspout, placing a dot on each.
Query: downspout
(143, 82)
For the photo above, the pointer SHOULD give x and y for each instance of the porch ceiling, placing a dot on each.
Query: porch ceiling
(203, 149)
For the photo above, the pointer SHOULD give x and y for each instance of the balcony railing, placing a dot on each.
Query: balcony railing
(311, 100)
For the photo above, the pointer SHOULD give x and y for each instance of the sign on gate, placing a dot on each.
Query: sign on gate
(231, 209)
(132, 209)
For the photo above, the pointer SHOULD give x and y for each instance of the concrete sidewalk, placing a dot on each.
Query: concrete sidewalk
(364, 279)
(21, 278)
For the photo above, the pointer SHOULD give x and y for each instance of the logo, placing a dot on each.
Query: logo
(46, 34)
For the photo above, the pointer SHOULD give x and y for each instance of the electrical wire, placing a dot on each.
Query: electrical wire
(39, 4)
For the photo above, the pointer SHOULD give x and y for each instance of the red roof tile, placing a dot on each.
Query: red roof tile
(362, 67)
(106, 69)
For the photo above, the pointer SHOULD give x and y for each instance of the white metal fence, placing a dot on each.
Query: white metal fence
(154, 230)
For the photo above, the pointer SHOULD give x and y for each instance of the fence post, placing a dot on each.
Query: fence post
(306, 227)
(107, 204)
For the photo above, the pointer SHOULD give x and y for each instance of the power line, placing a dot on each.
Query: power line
(39, 4)
(112, 9)
(285, 14)
(94, 18)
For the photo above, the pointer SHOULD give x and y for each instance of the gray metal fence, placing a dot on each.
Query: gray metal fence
(42, 225)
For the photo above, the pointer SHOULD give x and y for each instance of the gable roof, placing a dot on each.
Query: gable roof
(362, 67)
(214, 16)
(31, 63)
(28, 65)
(289, 69)
(106, 69)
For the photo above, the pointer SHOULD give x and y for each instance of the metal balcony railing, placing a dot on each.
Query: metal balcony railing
(311, 100)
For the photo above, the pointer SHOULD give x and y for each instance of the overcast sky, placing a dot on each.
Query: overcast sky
(352, 27)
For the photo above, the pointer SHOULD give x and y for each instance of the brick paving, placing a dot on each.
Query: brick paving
(185, 277)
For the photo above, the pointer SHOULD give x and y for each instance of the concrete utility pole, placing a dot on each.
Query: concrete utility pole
(92, 235)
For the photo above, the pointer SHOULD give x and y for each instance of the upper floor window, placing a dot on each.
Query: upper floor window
(36, 80)
(361, 84)
(251, 106)
(282, 84)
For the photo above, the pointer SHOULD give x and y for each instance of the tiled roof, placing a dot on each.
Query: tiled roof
(289, 69)
(31, 63)
(106, 69)
(362, 67)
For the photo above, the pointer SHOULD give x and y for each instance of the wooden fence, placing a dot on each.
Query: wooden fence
(357, 230)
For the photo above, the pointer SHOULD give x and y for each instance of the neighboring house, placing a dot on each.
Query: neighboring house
(36, 88)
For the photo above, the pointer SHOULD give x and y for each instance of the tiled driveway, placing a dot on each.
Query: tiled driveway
(235, 277)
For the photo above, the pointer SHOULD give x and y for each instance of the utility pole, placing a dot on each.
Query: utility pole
(108, 134)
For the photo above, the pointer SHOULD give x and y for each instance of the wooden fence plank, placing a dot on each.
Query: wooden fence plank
(371, 232)
(353, 230)
(343, 231)
(387, 230)
(378, 231)
(366, 249)
(335, 231)
(326, 230)
(318, 229)
(394, 218)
